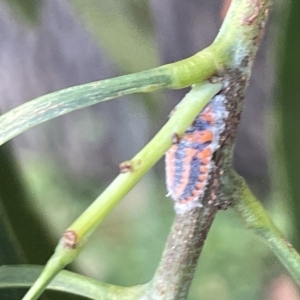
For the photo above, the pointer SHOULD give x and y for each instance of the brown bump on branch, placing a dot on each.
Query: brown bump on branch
(70, 239)
(176, 138)
(125, 167)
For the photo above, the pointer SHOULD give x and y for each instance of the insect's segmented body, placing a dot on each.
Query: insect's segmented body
(188, 163)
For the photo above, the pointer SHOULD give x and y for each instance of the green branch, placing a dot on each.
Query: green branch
(255, 218)
(73, 240)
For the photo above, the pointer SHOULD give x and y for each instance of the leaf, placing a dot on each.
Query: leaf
(68, 282)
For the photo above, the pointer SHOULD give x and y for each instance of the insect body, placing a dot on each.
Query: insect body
(189, 162)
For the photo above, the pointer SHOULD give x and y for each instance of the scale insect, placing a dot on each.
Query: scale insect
(189, 162)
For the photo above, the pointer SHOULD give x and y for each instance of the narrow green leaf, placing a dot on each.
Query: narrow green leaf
(67, 282)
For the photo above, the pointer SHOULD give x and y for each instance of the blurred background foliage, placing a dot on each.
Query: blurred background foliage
(50, 174)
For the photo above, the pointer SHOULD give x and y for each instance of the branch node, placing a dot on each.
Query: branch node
(69, 239)
(126, 167)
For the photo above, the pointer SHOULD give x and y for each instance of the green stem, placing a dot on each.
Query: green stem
(56, 263)
(75, 236)
(184, 114)
(255, 217)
